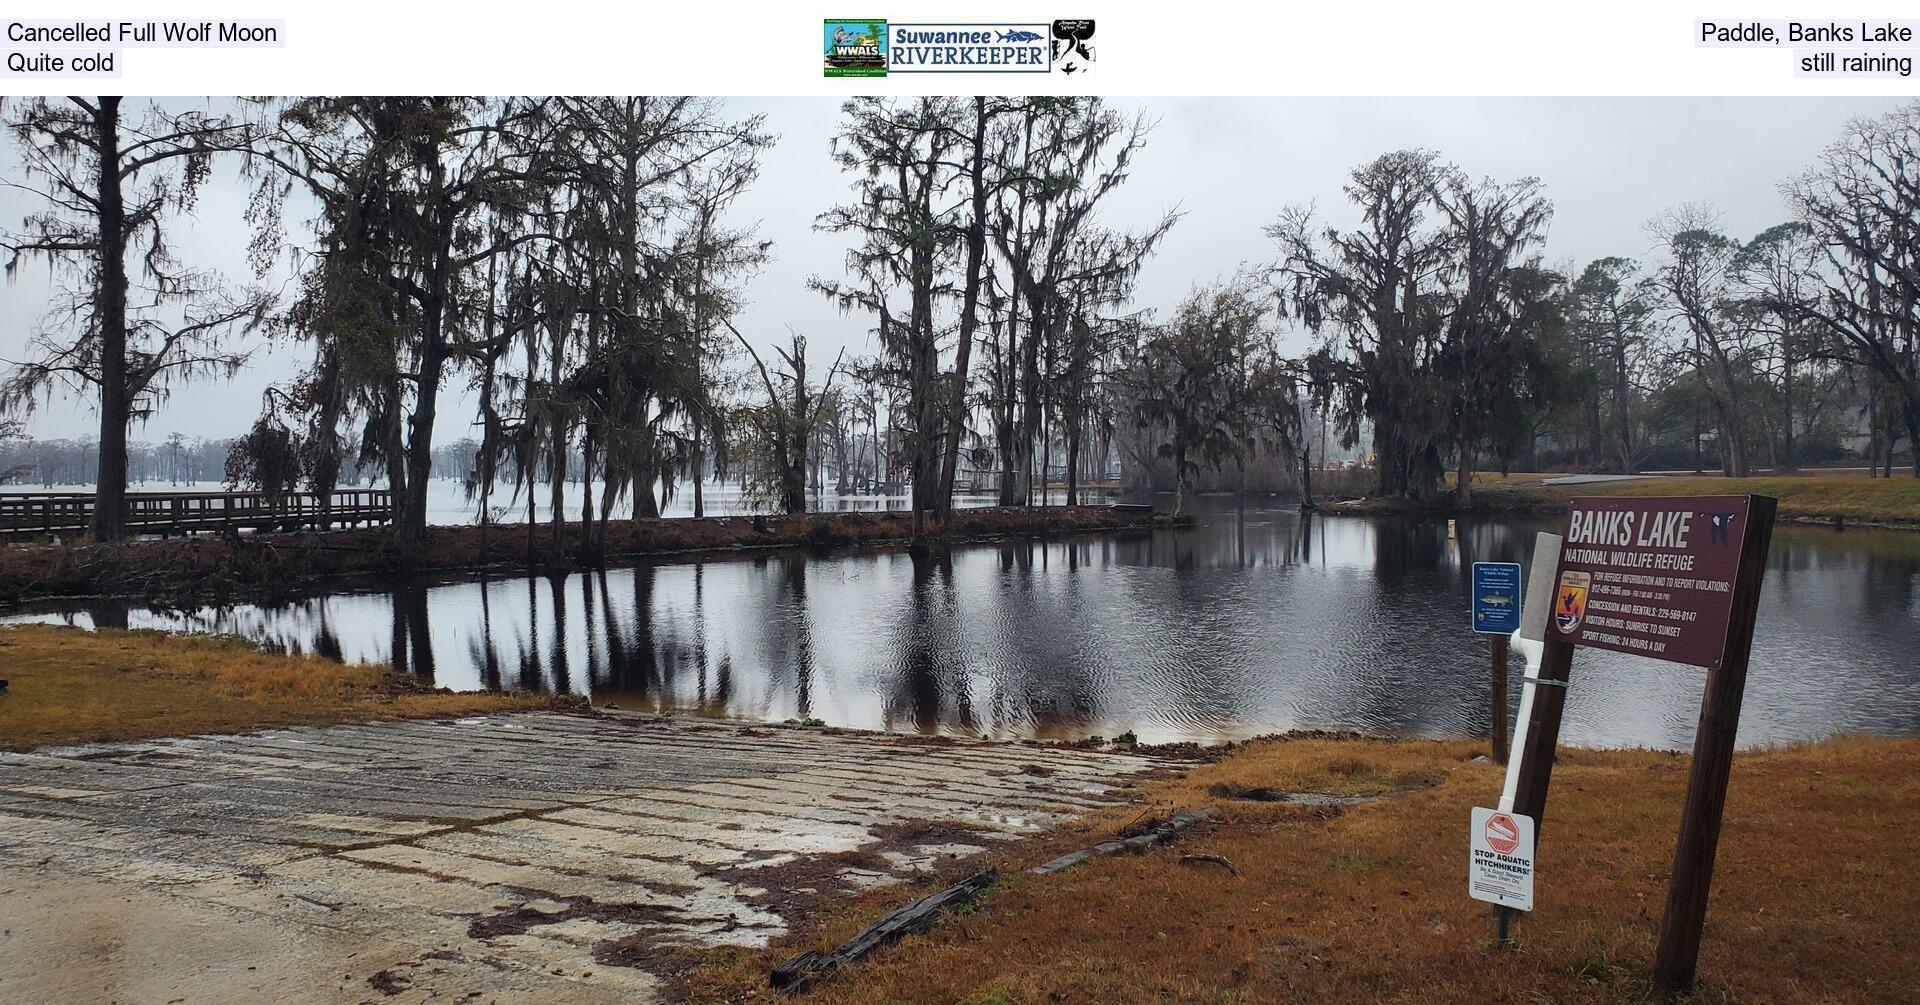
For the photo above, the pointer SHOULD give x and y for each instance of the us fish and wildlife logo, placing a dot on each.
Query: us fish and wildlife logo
(856, 48)
(1570, 600)
(874, 47)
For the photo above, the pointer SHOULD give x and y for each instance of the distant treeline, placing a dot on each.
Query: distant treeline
(572, 263)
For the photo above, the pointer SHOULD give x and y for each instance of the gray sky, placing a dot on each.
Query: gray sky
(1230, 163)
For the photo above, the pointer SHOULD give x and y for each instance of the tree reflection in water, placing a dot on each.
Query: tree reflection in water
(1257, 620)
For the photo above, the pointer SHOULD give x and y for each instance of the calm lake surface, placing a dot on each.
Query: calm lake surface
(1256, 621)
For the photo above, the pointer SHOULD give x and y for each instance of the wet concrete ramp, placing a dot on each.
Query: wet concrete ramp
(540, 858)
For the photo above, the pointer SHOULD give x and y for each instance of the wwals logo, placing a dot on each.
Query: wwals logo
(856, 48)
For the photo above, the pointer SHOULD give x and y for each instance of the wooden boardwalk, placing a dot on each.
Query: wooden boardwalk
(28, 514)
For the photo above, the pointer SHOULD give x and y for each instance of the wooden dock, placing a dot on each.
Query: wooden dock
(64, 514)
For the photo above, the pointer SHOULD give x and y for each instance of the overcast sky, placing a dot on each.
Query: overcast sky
(1230, 163)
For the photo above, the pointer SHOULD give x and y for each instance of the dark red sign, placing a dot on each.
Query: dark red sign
(1650, 576)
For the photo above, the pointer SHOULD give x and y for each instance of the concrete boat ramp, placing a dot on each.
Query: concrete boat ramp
(518, 858)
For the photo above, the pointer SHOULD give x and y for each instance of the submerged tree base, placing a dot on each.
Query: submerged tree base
(270, 564)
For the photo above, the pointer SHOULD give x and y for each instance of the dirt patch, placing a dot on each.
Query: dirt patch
(1266, 795)
(519, 920)
(805, 885)
(907, 834)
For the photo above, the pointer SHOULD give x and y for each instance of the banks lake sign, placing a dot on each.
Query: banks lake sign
(1673, 578)
(1651, 577)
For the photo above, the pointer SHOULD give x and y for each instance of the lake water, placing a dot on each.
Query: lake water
(1254, 622)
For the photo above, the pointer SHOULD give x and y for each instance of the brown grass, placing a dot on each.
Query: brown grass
(280, 563)
(1815, 498)
(1853, 499)
(71, 686)
(1814, 898)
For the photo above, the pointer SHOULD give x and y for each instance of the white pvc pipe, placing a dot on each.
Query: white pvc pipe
(1529, 643)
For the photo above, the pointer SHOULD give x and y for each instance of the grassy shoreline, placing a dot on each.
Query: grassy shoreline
(1833, 500)
(1368, 902)
(1360, 897)
(69, 686)
(280, 564)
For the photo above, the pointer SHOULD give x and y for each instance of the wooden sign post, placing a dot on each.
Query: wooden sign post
(1496, 614)
(1676, 579)
(1679, 948)
(1499, 686)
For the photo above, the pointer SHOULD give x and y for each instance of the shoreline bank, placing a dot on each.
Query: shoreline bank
(281, 564)
(67, 686)
(1330, 869)
(1816, 500)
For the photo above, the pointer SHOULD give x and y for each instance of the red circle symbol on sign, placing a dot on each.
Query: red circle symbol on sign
(1503, 835)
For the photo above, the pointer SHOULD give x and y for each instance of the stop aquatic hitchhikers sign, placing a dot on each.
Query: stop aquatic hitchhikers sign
(1500, 859)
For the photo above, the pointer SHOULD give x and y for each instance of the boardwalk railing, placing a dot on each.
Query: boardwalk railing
(165, 513)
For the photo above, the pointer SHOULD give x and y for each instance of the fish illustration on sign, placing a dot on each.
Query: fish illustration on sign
(1496, 600)
(1019, 36)
(1570, 600)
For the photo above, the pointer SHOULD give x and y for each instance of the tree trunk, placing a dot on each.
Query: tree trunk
(969, 312)
(110, 482)
(1179, 478)
(1463, 475)
(1073, 463)
(1786, 460)
(1911, 408)
(699, 468)
(1306, 475)
(557, 438)
(1699, 462)
(588, 540)
(1389, 459)
(1622, 418)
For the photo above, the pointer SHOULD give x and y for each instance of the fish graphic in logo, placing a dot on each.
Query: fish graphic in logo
(1570, 601)
(1019, 36)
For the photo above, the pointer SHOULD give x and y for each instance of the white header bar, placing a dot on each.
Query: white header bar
(1122, 47)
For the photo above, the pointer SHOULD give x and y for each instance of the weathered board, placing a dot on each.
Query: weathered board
(803, 971)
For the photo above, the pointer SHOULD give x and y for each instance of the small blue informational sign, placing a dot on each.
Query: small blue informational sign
(1496, 597)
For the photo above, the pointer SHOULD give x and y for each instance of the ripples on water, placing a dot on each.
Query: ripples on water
(1254, 622)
